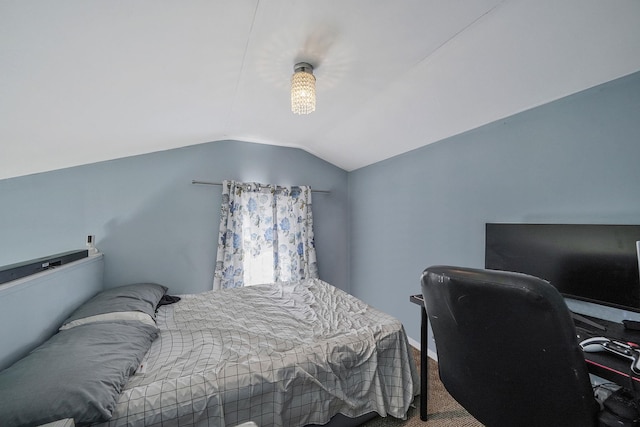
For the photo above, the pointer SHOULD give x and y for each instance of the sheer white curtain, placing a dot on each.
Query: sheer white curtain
(266, 235)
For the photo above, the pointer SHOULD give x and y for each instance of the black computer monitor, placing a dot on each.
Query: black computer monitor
(591, 262)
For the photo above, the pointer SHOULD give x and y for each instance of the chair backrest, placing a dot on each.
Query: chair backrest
(507, 348)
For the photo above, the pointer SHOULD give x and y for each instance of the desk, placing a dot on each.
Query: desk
(605, 365)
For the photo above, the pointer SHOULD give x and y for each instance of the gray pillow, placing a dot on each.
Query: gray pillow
(78, 373)
(142, 297)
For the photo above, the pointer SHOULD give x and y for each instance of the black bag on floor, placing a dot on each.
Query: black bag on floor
(621, 409)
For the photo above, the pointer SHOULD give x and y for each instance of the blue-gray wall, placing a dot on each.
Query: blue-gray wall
(573, 160)
(151, 223)
(33, 308)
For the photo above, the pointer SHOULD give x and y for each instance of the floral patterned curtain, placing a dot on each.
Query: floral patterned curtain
(266, 235)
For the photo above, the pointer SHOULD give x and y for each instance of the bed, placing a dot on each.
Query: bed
(285, 354)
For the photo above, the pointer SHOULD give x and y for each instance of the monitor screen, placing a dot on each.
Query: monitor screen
(596, 263)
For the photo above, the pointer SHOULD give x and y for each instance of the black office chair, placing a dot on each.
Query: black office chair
(507, 348)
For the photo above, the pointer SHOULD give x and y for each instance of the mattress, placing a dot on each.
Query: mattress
(284, 354)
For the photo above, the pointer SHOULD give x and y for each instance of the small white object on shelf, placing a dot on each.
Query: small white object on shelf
(91, 245)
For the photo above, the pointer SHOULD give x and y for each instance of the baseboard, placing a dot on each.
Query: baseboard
(413, 343)
(416, 344)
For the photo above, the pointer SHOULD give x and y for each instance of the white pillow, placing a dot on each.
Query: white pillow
(112, 317)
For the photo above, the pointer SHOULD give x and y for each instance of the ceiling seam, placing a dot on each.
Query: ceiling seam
(462, 30)
(240, 74)
(407, 70)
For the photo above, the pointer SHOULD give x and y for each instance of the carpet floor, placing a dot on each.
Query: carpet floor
(442, 409)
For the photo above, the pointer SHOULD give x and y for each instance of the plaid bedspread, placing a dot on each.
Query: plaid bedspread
(286, 354)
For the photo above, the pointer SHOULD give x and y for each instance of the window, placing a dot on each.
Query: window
(266, 235)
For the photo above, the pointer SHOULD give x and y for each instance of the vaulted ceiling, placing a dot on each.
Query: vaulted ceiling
(88, 80)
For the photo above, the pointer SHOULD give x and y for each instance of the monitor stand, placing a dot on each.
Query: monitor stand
(589, 322)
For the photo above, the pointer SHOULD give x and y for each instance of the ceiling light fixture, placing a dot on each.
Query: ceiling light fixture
(303, 89)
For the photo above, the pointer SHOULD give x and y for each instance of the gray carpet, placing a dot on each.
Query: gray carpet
(442, 409)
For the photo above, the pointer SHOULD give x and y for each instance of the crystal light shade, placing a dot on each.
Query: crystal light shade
(303, 89)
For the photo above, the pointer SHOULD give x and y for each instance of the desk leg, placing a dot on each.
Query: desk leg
(424, 364)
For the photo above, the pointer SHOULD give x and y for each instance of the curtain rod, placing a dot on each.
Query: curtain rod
(193, 181)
